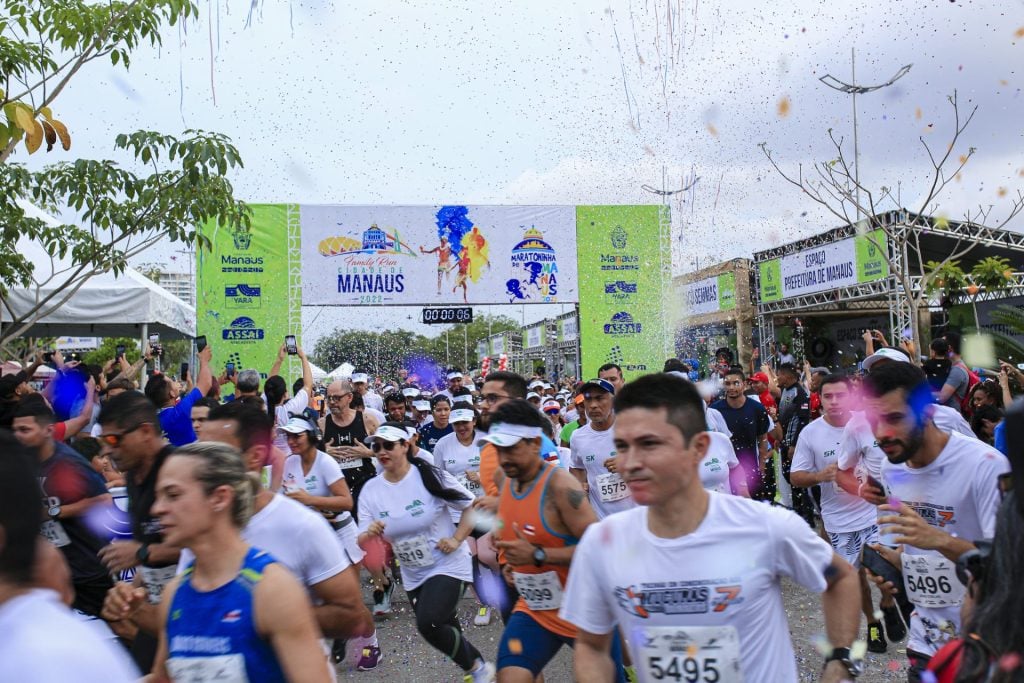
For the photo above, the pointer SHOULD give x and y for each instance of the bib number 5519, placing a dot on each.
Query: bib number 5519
(683, 668)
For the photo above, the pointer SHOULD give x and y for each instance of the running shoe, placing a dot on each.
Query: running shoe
(378, 602)
(338, 651)
(876, 638)
(483, 617)
(385, 603)
(894, 628)
(369, 658)
(485, 673)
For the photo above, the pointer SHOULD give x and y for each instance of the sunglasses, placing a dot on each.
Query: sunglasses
(379, 445)
(116, 439)
(336, 397)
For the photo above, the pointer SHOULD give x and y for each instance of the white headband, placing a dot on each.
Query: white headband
(461, 415)
(454, 375)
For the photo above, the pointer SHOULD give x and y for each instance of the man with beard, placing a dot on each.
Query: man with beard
(939, 493)
(748, 422)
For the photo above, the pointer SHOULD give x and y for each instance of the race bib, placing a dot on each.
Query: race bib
(414, 552)
(154, 579)
(53, 531)
(540, 591)
(214, 669)
(473, 486)
(350, 463)
(611, 487)
(931, 581)
(695, 654)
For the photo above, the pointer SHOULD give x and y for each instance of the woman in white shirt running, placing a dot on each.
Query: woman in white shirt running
(313, 478)
(458, 455)
(409, 506)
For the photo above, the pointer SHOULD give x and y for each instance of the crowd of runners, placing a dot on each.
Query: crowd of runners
(223, 527)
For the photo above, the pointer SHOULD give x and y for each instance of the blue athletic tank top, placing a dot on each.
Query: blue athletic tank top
(212, 636)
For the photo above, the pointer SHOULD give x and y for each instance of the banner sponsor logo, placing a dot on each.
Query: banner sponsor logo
(622, 323)
(242, 296)
(710, 295)
(620, 291)
(242, 329)
(844, 263)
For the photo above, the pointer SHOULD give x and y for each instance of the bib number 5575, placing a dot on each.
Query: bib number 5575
(683, 668)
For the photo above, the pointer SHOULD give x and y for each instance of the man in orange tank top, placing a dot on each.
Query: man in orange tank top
(542, 513)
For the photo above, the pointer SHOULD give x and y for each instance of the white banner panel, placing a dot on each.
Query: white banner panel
(534, 336)
(415, 255)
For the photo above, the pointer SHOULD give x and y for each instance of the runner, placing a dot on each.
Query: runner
(344, 429)
(408, 506)
(132, 438)
(718, 467)
(458, 455)
(444, 253)
(747, 420)
(42, 639)
(612, 373)
(70, 489)
(719, 619)
(543, 512)
(395, 407)
(454, 379)
(940, 493)
(849, 521)
(592, 459)
(361, 384)
(235, 613)
(576, 423)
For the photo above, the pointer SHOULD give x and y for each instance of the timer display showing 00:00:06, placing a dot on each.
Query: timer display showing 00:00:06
(448, 315)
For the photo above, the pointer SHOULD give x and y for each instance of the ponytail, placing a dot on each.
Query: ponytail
(431, 477)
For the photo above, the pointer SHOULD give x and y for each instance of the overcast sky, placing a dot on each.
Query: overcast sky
(575, 102)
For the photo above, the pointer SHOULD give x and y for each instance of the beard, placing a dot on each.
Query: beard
(910, 447)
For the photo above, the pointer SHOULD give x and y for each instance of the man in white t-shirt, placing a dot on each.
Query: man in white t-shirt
(592, 452)
(850, 521)
(720, 618)
(361, 385)
(940, 494)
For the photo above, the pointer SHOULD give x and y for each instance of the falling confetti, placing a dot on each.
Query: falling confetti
(917, 113)
(782, 109)
(1019, 33)
(712, 130)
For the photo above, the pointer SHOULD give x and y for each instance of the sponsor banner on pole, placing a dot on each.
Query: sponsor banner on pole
(568, 329)
(624, 277)
(711, 295)
(245, 305)
(851, 261)
(535, 336)
(409, 255)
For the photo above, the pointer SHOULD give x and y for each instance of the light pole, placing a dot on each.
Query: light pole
(854, 89)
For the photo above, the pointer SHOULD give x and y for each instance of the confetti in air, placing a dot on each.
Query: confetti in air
(783, 107)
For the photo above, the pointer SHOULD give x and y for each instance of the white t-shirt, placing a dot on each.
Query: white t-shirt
(373, 401)
(324, 472)
(44, 641)
(958, 493)
(589, 449)
(950, 420)
(421, 453)
(295, 536)
(717, 462)
(376, 414)
(296, 404)
(452, 457)
(623, 574)
(817, 447)
(414, 522)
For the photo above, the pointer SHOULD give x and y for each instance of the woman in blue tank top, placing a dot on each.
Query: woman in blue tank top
(234, 614)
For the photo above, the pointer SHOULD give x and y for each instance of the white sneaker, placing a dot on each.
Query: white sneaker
(483, 617)
(485, 673)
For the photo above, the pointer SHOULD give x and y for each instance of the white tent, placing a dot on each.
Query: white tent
(318, 372)
(107, 305)
(343, 371)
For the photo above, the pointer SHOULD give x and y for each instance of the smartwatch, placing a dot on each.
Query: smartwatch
(854, 667)
(539, 556)
(54, 511)
(142, 554)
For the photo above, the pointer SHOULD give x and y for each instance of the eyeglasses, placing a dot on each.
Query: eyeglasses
(337, 397)
(115, 439)
(494, 398)
(379, 445)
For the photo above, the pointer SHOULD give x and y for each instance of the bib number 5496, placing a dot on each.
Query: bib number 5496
(683, 668)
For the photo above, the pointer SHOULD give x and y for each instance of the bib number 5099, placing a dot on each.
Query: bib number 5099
(683, 668)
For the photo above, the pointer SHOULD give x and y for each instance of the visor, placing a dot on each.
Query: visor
(463, 398)
(461, 415)
(532, 394)
(534, 384)
(298, 425)
(359, 378)
(454, 375)
(602, 384)
(506, 435)
(410, 392)
(422, 406)
(389, 433)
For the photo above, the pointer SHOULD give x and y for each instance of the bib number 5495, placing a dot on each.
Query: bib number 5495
(683, 668)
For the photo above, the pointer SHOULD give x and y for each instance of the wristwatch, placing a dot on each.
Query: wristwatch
(54, 511)
(539, 556)
(854, 667)
(142, 554)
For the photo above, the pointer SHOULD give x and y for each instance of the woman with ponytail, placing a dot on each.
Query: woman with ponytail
(409, 506)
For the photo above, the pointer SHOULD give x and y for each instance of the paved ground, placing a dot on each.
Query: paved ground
(407, 658)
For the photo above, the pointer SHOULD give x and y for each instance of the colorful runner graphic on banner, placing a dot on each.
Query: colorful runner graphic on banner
(624, 277)
(414, 255)
(244, 305)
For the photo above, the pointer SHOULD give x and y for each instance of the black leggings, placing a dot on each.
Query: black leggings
(436, 604)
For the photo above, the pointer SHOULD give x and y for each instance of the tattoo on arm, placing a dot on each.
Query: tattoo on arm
(576, 498)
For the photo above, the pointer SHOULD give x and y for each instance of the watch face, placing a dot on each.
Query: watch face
(54, 511)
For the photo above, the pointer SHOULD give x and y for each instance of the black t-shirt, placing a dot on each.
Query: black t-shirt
(67, 478)
(145, 525)
(349, 435)
(747, 424)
